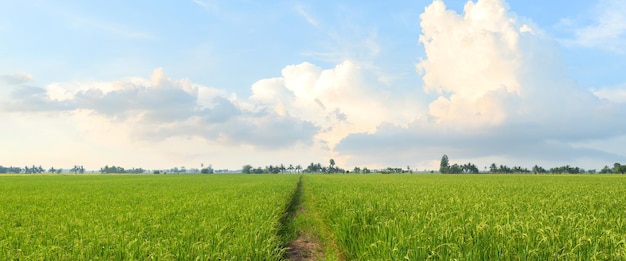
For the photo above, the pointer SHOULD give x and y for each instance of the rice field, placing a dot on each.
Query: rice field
(345, 217)
(473, 217)
(126, 217)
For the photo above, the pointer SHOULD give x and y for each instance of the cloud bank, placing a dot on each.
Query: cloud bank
(159, 108)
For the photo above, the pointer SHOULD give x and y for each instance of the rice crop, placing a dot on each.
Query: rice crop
(351, 217)
(127, 217)
(472, 217)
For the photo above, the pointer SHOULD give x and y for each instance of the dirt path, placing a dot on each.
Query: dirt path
(305, 246)
(303, 249)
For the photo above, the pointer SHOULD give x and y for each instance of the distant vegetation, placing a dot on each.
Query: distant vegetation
(445, 167)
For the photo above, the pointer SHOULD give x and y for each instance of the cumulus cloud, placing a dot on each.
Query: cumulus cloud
(472, 61)
(349, 98)
(503, 91)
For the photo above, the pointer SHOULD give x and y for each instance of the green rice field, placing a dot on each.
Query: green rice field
(473, 217)
(128, 217)
(344, 217)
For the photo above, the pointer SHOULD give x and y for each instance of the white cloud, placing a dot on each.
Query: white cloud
(346, 40)
(606, 31)
(347, 99)
(304, 13)
(473, 81)
(613, 94)
(525, 29)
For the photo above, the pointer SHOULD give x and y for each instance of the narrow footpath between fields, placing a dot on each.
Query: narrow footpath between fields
(304, 233)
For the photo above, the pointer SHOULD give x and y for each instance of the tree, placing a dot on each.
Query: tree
(356, 170)
(504, 169)
(538, 170)
(493, 168)
(444, 166)
(470, 168)
(455, 169)
(115, 169)
(246, 169)
(311, 168)
(207, 170)
(332, 166)
(619, 168)
(298, 168)
(605, 170)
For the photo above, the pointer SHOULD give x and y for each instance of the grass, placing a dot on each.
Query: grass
(125, 217)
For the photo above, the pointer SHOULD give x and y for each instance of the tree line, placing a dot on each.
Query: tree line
(446, 168)
(38, 169)
(115, 169)
(317, 168)
(311, 168)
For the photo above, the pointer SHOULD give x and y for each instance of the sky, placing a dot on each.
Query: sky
(163, 84)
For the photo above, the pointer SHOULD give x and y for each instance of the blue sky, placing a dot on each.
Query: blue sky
(163, 84)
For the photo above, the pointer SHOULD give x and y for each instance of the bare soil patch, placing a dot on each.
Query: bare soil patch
(305, 248)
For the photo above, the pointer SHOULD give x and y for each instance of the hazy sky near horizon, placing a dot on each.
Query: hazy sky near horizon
(369, 83)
